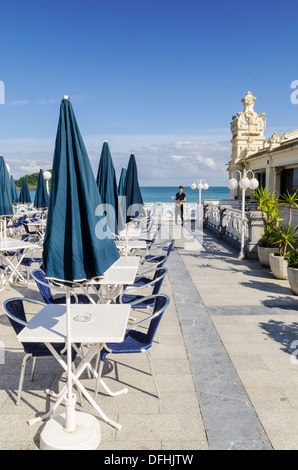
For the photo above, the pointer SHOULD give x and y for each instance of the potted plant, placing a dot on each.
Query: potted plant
(285, 237)
(268, 205)
(267, 245)
(278, 263)
(292, 260)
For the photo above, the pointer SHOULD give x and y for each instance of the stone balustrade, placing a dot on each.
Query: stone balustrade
(223, 217)
(226, 222)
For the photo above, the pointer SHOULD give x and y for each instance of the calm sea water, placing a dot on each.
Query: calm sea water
(164, 193)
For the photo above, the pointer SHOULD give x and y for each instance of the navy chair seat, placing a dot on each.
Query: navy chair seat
(82, 299)
(138, 286)
(133, 342)
(15, 312)
(137, 341)
(45, 290)
(128, 298)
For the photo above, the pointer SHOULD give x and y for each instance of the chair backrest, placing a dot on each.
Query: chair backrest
(21, 220)
(15, 308)
(154, 238)
(158, 278)
(42, 284)
(150, 225)
(170, 247)
(15, 311)
(25, 225)
(161, 303)
(163, 258)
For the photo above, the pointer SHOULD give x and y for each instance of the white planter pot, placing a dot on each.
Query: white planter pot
(278, 266)
(263, 254)
(293, 279)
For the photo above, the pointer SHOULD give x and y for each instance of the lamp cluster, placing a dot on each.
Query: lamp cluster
(244, 183)
(200, 185)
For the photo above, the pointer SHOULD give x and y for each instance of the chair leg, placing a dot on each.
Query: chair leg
(83, 353)
(101, 363)
(26, 358)
(33, 368)
(152, 371)
(97, 360)
(78, 389)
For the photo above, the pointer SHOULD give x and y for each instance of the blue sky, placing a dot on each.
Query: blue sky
(161, 79)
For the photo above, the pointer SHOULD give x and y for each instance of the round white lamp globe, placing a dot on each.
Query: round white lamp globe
(244, 183)
(200, 186)
(193, 186)
(206, 186)
(254, 184)
(233, 183)
(47, 175)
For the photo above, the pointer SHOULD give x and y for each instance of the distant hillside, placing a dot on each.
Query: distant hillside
(31, 181)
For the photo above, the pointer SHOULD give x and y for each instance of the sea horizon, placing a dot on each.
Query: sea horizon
(164, 194)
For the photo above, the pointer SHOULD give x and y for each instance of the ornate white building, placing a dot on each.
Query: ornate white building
(274, 161)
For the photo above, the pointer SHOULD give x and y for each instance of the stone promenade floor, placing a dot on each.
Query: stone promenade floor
(225, 360)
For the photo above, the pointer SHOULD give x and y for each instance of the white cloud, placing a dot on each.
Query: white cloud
(161, 159)
(19, 102)
(209, 162)
(180, 157)
(206, 161)
(46, 101)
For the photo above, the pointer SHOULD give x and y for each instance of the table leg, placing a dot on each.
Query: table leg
(82, 366)
(13, 268)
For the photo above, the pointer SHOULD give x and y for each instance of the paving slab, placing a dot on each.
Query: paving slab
(226, 362)
(172, 422)
(255, 318)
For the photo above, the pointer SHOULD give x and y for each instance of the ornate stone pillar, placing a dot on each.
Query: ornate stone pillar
(247, 129)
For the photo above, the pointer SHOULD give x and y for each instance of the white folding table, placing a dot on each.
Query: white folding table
(122, 272)
(131, 232)
(9, 244)
(105, 323)
(125, 246)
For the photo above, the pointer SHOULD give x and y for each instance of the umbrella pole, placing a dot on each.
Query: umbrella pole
(81, 431)
(70, 400)
(126, 242)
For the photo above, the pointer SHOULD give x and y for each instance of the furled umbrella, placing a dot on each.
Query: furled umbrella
(6, 208)
(5, 190)
(121, 184)
(134, 200)
(107, 186)
(24, 194)
(14, 194)
(121, 201)
(73, 250)
(41, 200)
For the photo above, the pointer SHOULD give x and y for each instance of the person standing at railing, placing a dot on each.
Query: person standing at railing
(180, 199)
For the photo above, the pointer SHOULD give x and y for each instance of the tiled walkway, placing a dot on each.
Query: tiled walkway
(244, 360)
(225, 361)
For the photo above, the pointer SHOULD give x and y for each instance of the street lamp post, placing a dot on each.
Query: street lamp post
(244, 184)
(47, 176)
(200, 184)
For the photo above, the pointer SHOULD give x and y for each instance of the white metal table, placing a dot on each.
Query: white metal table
(122, 272)
(9, 244)
(107, 323)
(131, 232)
(125, 246)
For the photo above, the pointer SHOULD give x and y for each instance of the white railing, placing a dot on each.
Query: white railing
(214, 216)
(233, 224)
(167, 210)
(226, 219)
(222, 217)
